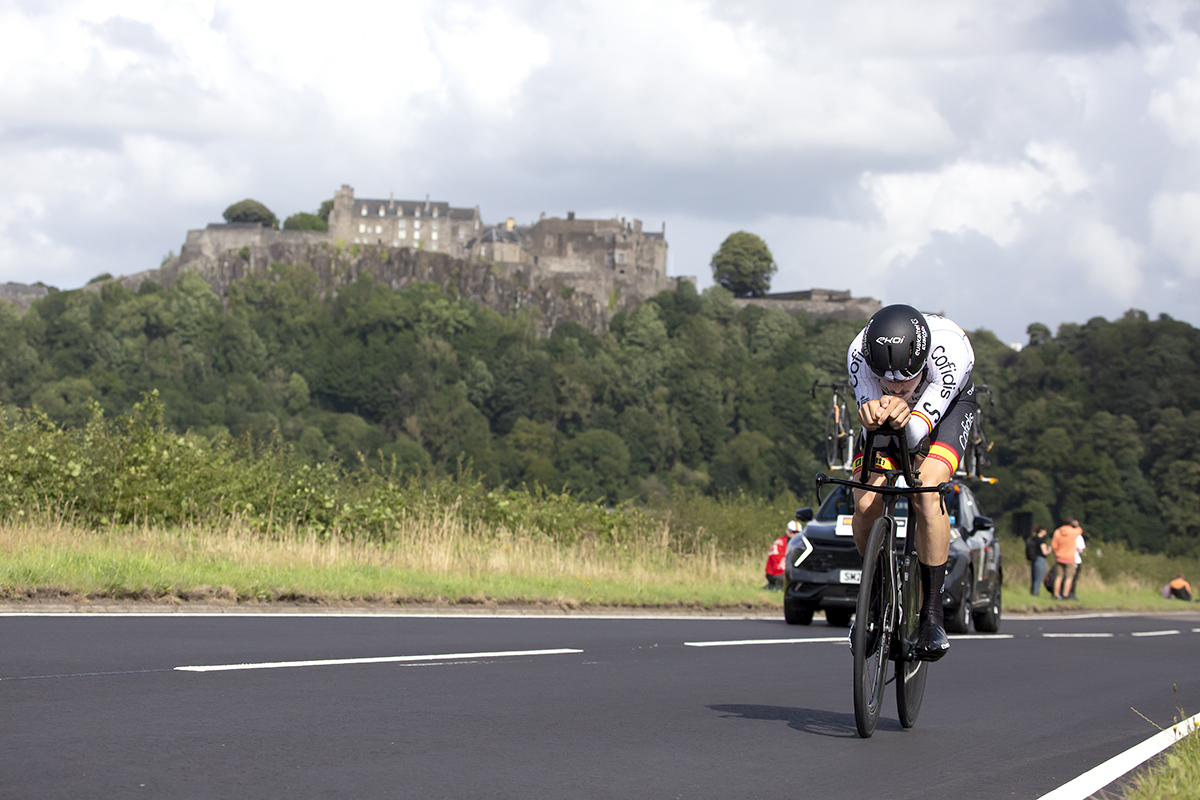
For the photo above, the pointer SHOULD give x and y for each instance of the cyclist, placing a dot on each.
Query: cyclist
(912, 372)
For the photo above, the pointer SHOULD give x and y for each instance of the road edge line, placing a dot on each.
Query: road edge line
(1100, 776)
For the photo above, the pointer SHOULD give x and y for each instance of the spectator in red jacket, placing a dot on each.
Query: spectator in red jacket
(775, 577)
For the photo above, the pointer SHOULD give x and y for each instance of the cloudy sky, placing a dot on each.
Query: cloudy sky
(1002, 162)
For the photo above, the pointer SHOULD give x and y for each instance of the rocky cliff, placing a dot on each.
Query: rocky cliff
(241, 252)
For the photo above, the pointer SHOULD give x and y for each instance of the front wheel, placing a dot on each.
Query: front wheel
(871, 638)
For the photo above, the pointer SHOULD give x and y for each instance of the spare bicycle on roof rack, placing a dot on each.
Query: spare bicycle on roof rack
(839, 428)
(976, 457)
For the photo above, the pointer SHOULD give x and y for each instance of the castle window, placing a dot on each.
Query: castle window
(381, 211)
(417, 211)
(435, 234)
(403, 234)
(395, 243)
(434, 223)
(435, 211)
(476, 224)
(549, 240)
(417, 224)
(609, 259)
(403, 223)
(379, 229)
(364, 210)
(621, 258)
(362, 228)
(462, 233)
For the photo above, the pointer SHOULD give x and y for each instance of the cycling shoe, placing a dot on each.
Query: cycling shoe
(932, 642)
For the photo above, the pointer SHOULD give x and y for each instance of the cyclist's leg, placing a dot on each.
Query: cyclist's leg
(933, 524)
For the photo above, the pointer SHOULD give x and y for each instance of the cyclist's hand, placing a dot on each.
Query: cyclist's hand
(896, 411)
(889, 410)
(869, 414)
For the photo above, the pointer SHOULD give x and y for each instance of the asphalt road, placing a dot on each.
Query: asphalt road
(94, 706)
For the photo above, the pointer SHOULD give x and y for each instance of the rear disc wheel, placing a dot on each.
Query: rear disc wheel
(871, 638)
(910, 675)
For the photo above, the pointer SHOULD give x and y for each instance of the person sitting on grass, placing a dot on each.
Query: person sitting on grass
(1179, 588)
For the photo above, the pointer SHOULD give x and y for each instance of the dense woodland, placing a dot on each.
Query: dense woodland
(684, 394)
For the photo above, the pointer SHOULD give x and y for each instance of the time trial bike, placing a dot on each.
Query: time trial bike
(975, 458)
(889, 594)
(839, 432)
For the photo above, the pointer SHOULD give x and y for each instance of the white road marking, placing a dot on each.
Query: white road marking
(738, 642)
(1154, 633)
(957, 636)
(376, 660)
(1098, 777)
(1077, 635)
(1195, 630)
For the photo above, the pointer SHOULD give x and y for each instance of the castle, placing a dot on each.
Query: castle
(603, 258)
(583, 270)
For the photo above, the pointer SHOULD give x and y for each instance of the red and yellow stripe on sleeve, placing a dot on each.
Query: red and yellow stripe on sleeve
(944, 453)
(921, 415)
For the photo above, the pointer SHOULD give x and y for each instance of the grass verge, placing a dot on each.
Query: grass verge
(1112, 578)
(1172, 775)
(435, 560)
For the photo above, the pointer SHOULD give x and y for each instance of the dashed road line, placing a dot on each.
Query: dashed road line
(739, 642)
(1077, 635)
(328, 662)
(1155, 633)
(957, 636)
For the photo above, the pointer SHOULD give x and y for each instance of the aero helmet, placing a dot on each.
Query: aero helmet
(896, 342)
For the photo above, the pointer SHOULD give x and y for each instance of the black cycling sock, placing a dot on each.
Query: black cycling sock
(934, 579)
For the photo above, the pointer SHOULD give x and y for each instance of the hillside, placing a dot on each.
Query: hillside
(1101, 420)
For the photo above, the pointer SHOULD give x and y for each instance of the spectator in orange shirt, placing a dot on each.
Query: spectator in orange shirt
(1063, 545)
(1179, 589)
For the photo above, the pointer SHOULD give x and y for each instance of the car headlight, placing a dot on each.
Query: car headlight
(806, 549)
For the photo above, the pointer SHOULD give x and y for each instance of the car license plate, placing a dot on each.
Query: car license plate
(851, 576)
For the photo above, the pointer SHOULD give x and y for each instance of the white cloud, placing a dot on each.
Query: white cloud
(1111, 261)
(988, 198)
(1029, 138)
(1175, 229)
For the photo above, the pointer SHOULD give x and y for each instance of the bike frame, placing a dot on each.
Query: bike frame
(899, 602)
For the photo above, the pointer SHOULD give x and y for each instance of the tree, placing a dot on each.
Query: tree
(303, 221)
(251, 211)
(325, 210)
(744, 265)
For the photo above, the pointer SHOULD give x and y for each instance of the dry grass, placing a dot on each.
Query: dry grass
(1112, 578)
(441, 555)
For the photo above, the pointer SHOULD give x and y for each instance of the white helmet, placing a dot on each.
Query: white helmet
(794, 527)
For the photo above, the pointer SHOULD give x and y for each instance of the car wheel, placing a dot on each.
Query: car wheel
(838, 617)
(988, 620)
(960, 622)
(796, 614)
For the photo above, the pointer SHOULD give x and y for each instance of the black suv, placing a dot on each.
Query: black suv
(823, 567)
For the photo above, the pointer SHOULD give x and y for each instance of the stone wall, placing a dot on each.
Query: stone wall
(611, 259)
(816, 303)
(222, 257)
